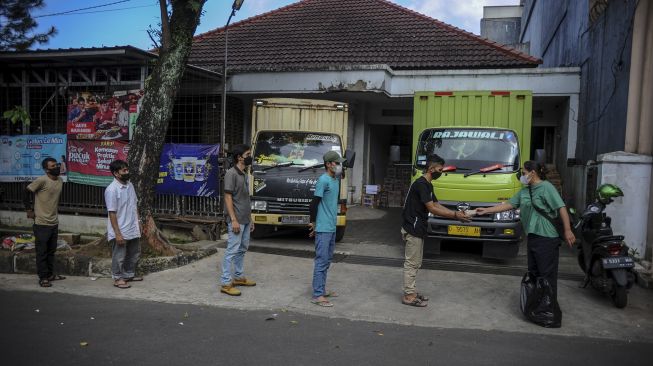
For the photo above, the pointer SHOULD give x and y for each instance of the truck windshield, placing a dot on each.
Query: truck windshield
(299, 148)
(469, 148)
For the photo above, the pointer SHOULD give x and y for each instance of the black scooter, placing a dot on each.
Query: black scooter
(602, 255)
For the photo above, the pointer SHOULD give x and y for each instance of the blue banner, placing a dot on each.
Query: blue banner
(21, 156)
(189, 170)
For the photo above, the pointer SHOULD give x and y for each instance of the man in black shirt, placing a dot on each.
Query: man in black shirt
(421, 200)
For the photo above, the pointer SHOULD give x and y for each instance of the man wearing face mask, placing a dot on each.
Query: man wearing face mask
(421, 200)
(41, 201)
(323, 212)
(238, 217)
(123, 230)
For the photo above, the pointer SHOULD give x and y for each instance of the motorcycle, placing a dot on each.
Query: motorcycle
(603, 256)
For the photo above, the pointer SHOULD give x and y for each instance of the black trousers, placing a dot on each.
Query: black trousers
(46, 245)
(543, 255)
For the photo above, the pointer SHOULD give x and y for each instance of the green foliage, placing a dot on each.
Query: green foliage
(17, 114)
(16, 23)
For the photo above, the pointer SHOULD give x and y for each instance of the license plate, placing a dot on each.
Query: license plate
(618, 262)
(294, 220)
(464, 230)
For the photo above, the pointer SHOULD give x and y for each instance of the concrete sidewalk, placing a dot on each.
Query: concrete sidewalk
(372, 293)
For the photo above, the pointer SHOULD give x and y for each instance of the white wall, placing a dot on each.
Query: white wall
(69, 223)
(632, 173)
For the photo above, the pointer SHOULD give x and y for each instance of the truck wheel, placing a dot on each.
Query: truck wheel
(620, 297)
(340, 233)
(261, 231)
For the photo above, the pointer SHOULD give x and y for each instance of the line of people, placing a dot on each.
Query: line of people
(42, 197)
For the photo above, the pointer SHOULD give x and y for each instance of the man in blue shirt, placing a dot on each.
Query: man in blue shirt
(324, 211)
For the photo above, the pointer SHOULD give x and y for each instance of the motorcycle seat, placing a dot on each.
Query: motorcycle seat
(602, 239)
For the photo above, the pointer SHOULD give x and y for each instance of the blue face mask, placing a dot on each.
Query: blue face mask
(524, 180)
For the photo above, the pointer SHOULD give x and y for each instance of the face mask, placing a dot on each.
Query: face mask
(435, 175)
(338, 170)
(524, 180)
(125, 177)
(55, 171)
(248, 161)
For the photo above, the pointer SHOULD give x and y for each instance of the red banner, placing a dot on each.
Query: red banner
(88, 161)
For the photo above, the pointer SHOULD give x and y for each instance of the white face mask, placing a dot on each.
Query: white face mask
(524, 180)
(338, 170)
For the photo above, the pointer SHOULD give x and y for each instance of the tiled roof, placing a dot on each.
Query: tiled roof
(331, 34)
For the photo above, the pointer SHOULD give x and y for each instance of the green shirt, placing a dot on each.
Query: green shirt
(546, 198)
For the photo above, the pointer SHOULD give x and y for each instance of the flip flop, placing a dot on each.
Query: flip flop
(331, 294)
(121, 285)
(56, 278)
(416, 302)
(322, 303)
(44, 283)
(134, 279)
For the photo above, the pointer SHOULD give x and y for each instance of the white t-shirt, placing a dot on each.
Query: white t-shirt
(121, 199)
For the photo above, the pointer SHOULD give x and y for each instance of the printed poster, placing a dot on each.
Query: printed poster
(21, 156)
(189, 170)
(88, 161)
(99, 117)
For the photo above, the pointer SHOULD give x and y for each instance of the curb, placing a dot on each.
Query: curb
(66, 263)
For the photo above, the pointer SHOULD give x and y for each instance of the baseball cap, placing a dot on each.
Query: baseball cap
(332, 156)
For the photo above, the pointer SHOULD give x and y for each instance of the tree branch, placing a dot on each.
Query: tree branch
(165, 25)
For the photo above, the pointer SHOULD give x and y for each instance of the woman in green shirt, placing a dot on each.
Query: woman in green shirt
(543, 238)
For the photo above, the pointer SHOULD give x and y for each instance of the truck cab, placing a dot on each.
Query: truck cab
(291, 138)
(484, 140)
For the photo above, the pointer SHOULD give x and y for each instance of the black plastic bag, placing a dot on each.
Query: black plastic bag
(538, 303)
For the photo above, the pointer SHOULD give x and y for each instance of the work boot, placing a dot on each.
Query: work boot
(230, 290)
(243, 282)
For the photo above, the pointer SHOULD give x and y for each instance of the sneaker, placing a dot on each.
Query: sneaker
(229, 290)
(243, 282)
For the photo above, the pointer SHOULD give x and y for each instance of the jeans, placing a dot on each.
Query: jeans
(124, 258)
(45, 240)
(237, 244)
(325, 244)
(543, 254)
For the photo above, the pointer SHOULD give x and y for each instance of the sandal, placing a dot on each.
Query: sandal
(44, 283)
(322, 303)
(134, 279)
(121, 284)
(416, 302)
(56, 278)
(422, 297)
(331, 294)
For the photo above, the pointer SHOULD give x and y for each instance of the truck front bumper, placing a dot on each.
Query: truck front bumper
(500, 239)
(288, 220)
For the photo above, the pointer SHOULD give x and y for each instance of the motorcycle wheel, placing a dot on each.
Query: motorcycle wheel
(620, 297)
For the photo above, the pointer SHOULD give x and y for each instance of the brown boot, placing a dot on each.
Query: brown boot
(230, 290)
(243, 282)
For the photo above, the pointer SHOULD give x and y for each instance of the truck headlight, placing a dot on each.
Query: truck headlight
(510, 215)
(259, 205)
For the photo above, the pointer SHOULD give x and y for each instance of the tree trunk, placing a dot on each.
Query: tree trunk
(152, 124)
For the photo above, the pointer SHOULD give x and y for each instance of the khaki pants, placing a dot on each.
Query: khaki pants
(414, 253)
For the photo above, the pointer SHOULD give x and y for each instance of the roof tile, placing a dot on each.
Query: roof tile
(323, 34)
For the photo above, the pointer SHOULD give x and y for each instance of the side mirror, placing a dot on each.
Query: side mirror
(350, 158)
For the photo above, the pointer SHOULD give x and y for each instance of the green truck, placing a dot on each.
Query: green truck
(484, 137)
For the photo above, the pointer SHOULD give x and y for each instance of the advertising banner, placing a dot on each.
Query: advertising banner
(189, 170)
(21, 156)
(88, 161)
(100, 117)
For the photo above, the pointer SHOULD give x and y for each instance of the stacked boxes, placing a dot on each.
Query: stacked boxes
(395, 186)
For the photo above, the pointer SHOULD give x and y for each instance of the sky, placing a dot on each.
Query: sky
(125, 22)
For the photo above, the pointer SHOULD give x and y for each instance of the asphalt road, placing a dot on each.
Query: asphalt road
(47, 329)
